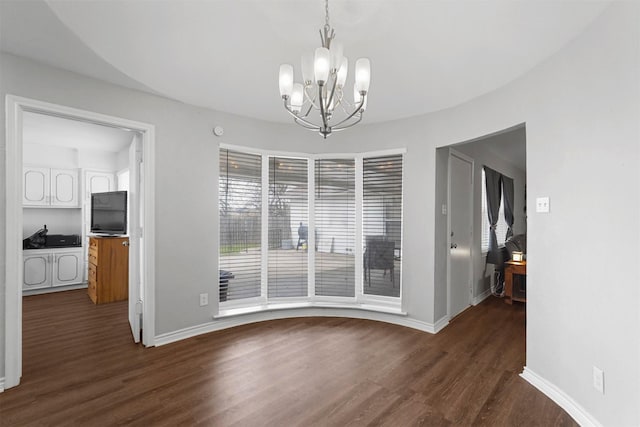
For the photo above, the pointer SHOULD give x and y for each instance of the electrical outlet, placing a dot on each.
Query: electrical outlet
(204, 300)
(598, 379)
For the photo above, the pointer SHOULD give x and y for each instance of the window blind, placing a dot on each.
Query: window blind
(501, 226)
(382, 224)
(240, 194)
(288, 227)
(335, 227)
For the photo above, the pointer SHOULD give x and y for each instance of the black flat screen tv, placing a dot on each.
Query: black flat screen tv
(109, 213)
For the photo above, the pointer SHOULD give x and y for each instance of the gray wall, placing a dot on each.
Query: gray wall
(581, 112)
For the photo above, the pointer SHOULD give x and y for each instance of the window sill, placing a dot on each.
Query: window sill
(239, 311)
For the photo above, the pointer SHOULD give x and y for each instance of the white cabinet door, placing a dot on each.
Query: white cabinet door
(37, 271)
(64, 187)
(50, 187)
(67, 268)
(98, 182)
(35, 186)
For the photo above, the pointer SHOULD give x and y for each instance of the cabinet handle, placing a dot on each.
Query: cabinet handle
(125, 243)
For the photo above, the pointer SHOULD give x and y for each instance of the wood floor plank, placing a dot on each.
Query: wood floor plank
(81, 368)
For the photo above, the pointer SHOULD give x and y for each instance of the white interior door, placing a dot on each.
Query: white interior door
(135, 234)
(460, 232)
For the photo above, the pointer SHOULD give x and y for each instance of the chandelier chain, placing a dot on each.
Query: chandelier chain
(326, 14)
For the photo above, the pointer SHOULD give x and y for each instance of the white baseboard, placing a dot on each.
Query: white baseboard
(1, 384)
(563, 400)
(440, 324)
(483, 296)
(230, 322)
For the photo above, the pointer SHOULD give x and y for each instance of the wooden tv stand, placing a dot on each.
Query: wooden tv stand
(512, 268)
(108, 269)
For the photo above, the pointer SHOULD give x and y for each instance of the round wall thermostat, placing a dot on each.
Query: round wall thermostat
(218, 131)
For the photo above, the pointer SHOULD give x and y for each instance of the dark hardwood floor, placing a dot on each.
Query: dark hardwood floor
(82, 368)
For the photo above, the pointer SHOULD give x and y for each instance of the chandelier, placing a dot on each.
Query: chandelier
(324, 75)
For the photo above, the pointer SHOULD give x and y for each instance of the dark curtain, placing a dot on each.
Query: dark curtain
(507, 191)
(493, 186)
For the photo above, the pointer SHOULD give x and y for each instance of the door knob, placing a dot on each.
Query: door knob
(125, 243)
(454, 245)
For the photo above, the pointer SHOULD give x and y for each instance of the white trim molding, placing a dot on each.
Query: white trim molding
(577, 412)
(483, 296)
(230, 321)
(15, 108)
(440, 324)
(1, 384)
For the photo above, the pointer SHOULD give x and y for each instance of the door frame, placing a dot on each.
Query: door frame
(471, 161)
(16, 106)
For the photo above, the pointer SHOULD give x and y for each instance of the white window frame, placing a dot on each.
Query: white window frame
(361, 300)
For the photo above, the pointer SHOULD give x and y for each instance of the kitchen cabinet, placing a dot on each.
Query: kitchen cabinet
(98, 182)
(50, 268)
(47, 187)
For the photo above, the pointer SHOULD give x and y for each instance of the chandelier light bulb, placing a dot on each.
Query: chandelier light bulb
(286, 80)
(342, 72)
(363, 74)
(336, 51)
(307, 69)
(297, 97)
(321, 65)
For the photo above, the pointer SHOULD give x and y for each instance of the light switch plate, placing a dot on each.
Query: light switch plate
(598, 379)
(542, 205)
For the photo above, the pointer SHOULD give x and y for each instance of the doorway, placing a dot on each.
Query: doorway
(505, 152)
(143, 143)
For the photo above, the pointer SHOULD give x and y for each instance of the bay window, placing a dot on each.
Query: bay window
(240, 190)
(335, 224)
(310, 229)
(288, 227)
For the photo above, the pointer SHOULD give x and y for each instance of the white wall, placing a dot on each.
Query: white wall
(68, 158)
(49, 156)
(58, 220)
(97, 160)
(581, 110)
(122, 159)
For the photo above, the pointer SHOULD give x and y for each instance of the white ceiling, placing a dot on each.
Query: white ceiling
(224, 54)
(61, 132)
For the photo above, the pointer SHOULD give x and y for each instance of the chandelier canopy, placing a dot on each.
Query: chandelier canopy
(324, 75)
